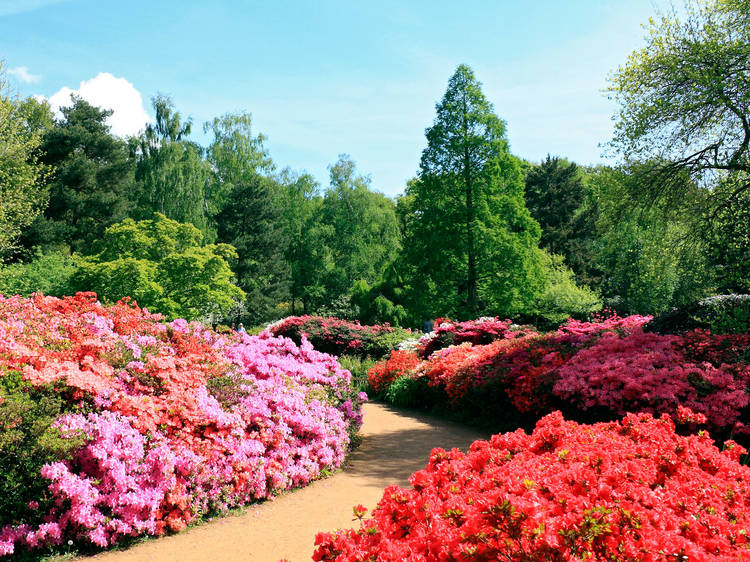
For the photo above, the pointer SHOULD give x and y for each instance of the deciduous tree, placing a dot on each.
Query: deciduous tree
(685, 100)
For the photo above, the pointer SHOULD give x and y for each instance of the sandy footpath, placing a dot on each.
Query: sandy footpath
(394, 444)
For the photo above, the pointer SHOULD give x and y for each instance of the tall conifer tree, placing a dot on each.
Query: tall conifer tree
(470, 239)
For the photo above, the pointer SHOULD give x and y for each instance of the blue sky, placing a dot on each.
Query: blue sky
(328, 77)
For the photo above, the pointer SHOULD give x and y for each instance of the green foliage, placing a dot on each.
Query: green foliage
(299, 202)
(406, 392)
(470, 241)
(91, 185)
(235, 155)
(161, 265)
(556, 196)
(28, 440)
(23, 194)
(48, 273)
(171, 175)
(379, 303)
(649, 263)
(727, 240)
(249, 221)
(684, 99)
(722, 314)
(340, 307)
(358, 226)
(358, 367)
(562, 298)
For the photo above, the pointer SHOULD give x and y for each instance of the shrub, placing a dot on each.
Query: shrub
(625, 490)
(383, 373)
(340, 337)
(163, 266)
(592, 370)
(48, 273)
(562, 298)
(119, 424)
(480, 331)
(358, 368)
(29, 439)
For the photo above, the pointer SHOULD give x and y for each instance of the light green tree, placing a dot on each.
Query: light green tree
(23, 194)
(163, 266)
(685, 101)
(361, 228)
(172, 178)
(235, 154)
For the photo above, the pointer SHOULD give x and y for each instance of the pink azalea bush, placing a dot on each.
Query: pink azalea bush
(174, 420)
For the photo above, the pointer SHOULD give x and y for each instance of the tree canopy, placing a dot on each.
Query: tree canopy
(91, 183)
(23, 193)
(163, 266)
(685, 100)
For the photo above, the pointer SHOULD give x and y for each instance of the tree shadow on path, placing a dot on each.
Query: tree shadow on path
(399, 443)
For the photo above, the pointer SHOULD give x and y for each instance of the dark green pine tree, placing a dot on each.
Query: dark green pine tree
(249, 221)
(555, 197)
(470, 239)
(92, 180)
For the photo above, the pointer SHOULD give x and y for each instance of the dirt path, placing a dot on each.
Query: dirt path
(394, 444)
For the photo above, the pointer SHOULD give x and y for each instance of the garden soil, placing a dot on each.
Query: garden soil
(395, 443)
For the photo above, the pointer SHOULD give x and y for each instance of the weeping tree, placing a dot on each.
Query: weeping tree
(172, 177)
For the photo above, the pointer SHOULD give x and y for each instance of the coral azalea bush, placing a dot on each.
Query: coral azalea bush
(625, 490)
(149, 425)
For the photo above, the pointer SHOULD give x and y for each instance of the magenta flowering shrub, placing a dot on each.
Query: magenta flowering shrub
(647, 372)
(174, 420)
(593, 370)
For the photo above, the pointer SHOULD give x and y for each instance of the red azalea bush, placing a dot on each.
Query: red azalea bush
(477, 332)
(400, 363)
(605, 367)
(155, 423)
(630, 490)
(341, 337)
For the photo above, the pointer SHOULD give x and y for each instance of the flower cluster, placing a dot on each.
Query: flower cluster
(341, 337)
(606, 367)
(624, 490)
(398, 364)
(177, 421)
(477, 332)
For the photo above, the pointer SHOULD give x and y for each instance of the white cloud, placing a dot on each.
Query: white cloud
(108, 92)
(23, 74)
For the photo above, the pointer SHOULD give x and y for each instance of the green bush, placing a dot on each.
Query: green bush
(46, 273)
(28, 440)
(562, 298)
(358, 367)
(384, 343)
(341, 337)
(163, 266)
(407, 392)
